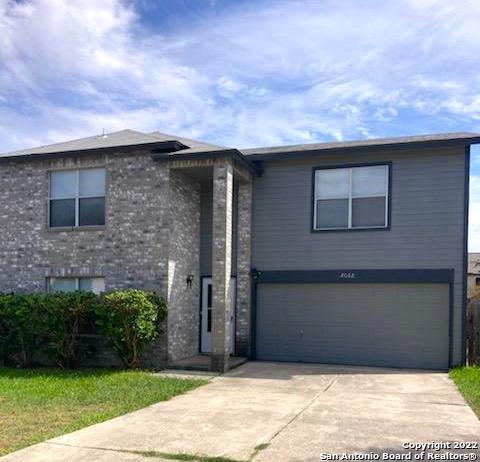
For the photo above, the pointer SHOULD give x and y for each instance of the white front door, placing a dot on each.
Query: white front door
(206, 313)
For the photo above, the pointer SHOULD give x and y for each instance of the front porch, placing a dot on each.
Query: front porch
(202, 362)
(209, 263)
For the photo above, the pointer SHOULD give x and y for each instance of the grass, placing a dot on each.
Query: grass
(38, 404)
(182, 457)
(468, 382)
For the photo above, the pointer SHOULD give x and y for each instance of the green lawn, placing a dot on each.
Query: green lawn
(468, 382)
(38, 404)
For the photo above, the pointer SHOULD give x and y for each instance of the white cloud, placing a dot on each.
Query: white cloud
(71, 68)
(228, 87)
(474, 215)
(267, 73)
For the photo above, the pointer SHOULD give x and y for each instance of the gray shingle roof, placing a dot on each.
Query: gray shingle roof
(193, 145)
(125, 138)
(465, 136)
(115, 139)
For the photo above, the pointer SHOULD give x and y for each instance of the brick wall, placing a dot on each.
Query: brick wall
(130, 251)
(151, 240)
(184, 260)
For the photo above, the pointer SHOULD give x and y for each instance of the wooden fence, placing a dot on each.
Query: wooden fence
(473, 331)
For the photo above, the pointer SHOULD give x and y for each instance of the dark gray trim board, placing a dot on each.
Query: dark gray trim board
(450, 325)
(343, 276)
(352, 165)
(200, 314)
(252, 354)
(350, 276)
(465, 255)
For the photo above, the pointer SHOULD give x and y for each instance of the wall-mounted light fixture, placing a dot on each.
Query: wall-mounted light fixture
(189, 281)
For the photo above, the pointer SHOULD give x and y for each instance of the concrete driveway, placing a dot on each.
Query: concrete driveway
(279, 412)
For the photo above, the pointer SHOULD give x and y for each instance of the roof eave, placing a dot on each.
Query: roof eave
(232, 153)
(298, 153)
(159, 146)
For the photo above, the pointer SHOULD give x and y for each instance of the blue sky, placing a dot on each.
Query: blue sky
(241, 72)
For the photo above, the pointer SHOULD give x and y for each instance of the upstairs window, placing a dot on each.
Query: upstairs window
(77, 198)
(95, 285)
(351, 198)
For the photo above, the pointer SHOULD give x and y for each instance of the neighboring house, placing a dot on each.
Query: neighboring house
(473, 275)
(344, 252)
(473, 309)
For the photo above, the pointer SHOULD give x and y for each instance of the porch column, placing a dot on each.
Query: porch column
(244, 252)
(221, 263)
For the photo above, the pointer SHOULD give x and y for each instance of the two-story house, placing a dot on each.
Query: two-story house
(343, 252)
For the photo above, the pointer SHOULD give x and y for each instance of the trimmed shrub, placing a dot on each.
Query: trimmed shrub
(6, 328)
(63, 313)
(131, 319)
(49, 323)
(21, 326)
(161, 305)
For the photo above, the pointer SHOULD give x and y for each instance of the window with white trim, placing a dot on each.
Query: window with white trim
(351, 198)
(77, 198)
(88, 284)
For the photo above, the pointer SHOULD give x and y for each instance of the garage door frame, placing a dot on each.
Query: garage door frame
(420, 276)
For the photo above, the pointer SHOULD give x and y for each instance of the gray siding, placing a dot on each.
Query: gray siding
(392, 325)
(426, 223)
(206, 217)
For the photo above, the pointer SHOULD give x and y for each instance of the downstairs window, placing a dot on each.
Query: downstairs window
(88, 284)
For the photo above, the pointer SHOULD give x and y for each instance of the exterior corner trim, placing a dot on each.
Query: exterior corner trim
(465, 256)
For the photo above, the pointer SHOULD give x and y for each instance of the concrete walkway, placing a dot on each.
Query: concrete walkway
(279, 412)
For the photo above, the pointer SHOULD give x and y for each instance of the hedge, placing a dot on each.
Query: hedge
(49, 324)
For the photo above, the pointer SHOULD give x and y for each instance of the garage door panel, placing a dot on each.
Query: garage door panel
(395, 325)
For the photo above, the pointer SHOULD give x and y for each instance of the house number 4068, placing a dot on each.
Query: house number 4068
(347, 275)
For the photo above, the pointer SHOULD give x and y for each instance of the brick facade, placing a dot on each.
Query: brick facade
(151, 240)
(183, 261)
(221, 263)
(244, 253)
